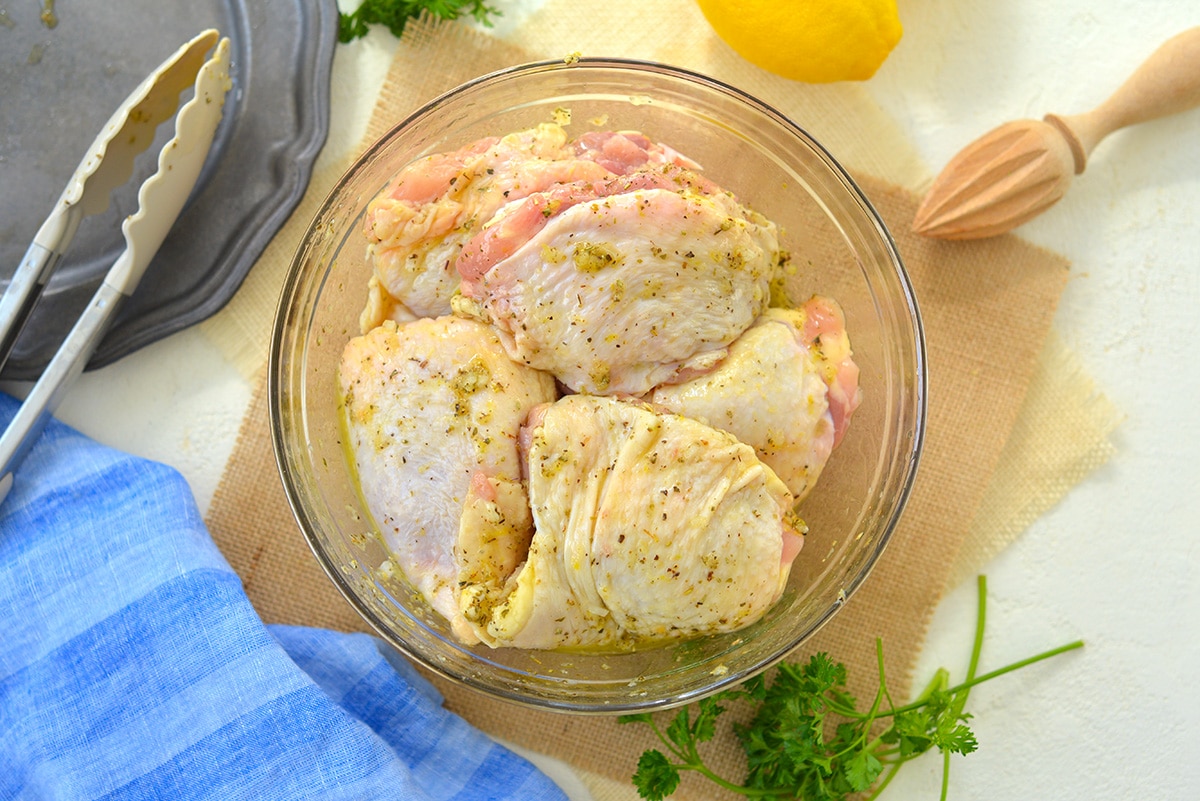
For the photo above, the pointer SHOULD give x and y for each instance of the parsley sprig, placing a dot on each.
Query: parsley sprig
(809, 740)
(396, 13)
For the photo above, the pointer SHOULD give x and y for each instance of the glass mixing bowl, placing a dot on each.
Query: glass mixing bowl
(838, 242)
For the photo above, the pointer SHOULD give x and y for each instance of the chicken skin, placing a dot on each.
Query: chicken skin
(433, 410)
(437, 203)
(653, 501)
(649, 526)
(617, 286)
(778, 390)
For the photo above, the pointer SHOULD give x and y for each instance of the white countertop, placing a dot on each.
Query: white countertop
(1117, 563)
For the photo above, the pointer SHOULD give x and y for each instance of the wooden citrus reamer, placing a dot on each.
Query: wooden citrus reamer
(1017, 171)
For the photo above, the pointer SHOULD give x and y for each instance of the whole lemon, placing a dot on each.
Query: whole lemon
(816, 41)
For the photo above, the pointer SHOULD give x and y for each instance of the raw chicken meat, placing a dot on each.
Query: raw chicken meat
(657, 504)
(825, 328)
(416, 229)
(433, 410)
(649, 526)
(621, 152)
(518, 222)
(616, 286)
(787, 389)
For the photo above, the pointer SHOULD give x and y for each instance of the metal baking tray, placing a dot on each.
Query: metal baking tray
(58, 86)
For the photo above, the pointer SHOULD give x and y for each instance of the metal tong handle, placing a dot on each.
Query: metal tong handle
(23, 293)
(39, 262)
(64, 368)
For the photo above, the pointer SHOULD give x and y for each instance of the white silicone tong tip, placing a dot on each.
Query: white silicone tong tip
(129, 131)
(162, 196)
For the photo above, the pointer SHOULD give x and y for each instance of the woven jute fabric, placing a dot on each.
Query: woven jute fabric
(1012, 422)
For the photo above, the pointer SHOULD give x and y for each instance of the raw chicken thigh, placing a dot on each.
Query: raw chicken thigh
(433, 410)
(437, 203)
(649, 526)
(778, 390)
(617, 286)
(655, 500)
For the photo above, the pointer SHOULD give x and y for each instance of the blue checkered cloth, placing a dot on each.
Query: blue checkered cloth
(132, 665)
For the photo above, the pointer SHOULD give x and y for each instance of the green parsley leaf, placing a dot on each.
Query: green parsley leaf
(394, 14)
(655, 778)
(680, 730)
(957, 740)
(705, 727)
(911, 732)
(861, 770)
(808, 739)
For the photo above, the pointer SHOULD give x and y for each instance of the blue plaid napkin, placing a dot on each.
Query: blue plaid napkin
(132, 666)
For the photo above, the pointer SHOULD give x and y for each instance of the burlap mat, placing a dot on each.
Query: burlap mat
(1012, 424)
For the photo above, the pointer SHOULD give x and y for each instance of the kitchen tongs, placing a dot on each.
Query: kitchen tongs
(107, 165)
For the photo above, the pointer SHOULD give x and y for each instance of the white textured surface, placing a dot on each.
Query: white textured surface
(1118, 562)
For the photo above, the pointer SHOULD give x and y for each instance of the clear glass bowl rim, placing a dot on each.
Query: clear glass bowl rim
(277, 379)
